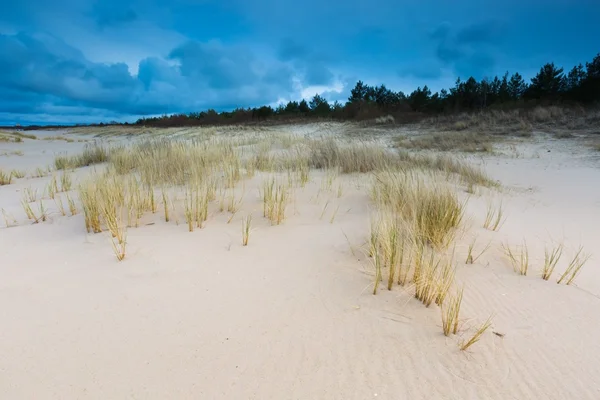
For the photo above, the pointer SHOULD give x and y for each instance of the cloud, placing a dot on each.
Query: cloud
(428, 70)
(218, 67)
(484, 32)
(470, 50)
(311, 65)
(107, 15)
(39, 71)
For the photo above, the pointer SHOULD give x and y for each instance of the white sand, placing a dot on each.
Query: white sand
(291, 316)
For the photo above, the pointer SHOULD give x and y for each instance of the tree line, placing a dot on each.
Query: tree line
(551, 85)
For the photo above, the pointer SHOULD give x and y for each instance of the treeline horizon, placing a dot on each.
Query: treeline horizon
(550, 86)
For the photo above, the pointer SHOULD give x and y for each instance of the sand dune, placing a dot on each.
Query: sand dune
(292, 315)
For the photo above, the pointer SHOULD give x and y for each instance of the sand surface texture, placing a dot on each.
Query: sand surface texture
(196, 315)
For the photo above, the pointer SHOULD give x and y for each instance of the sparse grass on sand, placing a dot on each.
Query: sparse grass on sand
(494, 217)
(551, 258)
(477, 335)
(574, 267)
(64, 138)
(419, 208)
(468, 142)
(5, 177)
(520, 260)
(471, 257)
(432, 209)
(94, 153)
(246, 226)
(15, 136)
(451, 313)
(9, 219)
(19, 174)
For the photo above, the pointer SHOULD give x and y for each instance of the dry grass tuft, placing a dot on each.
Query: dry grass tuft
(72, 205)
(520, 261)
(275, 199)
(469, 142)
(28, 210)
(451, 313)
(471, 258)
(9, 219)
(432, 282)
(30, 194)
(60, 205)
(94, 153)
(329, 154)
(40, 172)
(246, 225)
(493, 218)
(5, 178)
(432, 210)
(551, 258)
(18, 173)
(477, 335)
(15, 136)
(574, 267)
(88, 194)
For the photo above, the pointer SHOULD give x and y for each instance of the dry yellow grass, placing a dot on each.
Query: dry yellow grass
(520, 260)
(93, 153)
(471, 257)
(5, 177)
(448, 141)
(9, 219)
(275, 199)
(494, 217)
(551, 258)
(431, 209)
(451, 313)
(246, 226)
(17, 173)
(477, 335)
(574, 267)
(72, 205)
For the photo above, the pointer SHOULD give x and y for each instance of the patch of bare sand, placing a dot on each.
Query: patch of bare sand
(196, 315)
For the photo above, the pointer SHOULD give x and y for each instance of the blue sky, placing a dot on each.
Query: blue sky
(86, 61)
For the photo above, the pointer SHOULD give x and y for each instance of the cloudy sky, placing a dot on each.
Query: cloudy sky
(67, 61)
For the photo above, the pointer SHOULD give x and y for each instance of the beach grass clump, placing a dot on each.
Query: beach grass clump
(387, 241)
(432, 277)
(349, 158)
(477, 335)
(574, 267)
(246, 226)
(551, 258)
(72, 206)
(276, 196)
(90, 202)
(493, 217)
(60, 205)
(451, 313)
(468, 142)
(28, 210)
(30, 194)
(93, 153)
(18, 173)
(66, 183)
(433, 210)
(519, 260)
(473, 257)
(5, 177)
(165, 202)
(9, 219)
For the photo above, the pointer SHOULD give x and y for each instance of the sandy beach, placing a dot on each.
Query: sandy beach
(292, 315)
